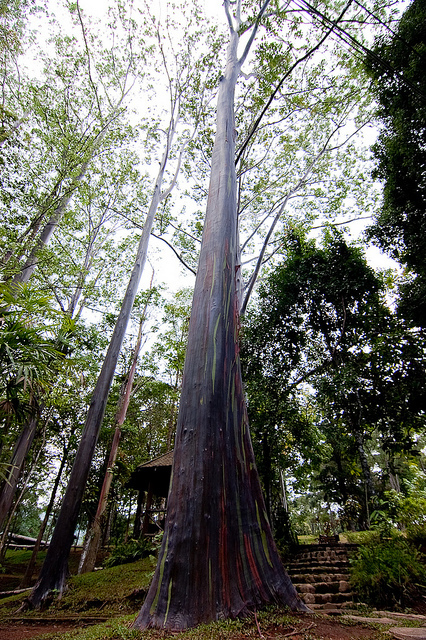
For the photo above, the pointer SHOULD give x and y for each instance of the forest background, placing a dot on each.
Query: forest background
(107, 130)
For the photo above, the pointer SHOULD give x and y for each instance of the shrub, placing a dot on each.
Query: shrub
(407, 512)
(387, 572)
(131, 551)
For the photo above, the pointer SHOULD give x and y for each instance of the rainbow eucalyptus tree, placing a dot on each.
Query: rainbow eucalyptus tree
(218, 558)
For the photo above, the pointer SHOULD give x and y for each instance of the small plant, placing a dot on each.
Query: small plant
(132, 550)
(387, 572)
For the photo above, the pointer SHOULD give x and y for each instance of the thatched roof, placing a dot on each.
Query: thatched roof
(156, 473)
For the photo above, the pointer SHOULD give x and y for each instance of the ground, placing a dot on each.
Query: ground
(25, 631)
(102, 605)
(302, 627)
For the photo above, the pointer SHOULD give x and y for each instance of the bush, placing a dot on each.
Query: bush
(131, 551)
(387, 572)
(407, 512)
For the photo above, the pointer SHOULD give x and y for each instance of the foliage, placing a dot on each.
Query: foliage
(28, 353)
(131, 551)
(28, 517)
(399, 82)
(314, 316)
(359, 537)
(386, 572)
(332, 375)
(405, 511)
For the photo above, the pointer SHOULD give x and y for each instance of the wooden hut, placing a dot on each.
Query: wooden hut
(151, 480)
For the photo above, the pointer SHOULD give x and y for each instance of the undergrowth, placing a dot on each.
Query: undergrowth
(133, 550)
(387, 572)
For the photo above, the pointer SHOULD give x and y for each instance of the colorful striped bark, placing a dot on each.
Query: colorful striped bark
(218, 558)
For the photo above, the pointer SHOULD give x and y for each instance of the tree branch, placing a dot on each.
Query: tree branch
(253, 33)
(253, 129)
(277, 217)
(176, 253)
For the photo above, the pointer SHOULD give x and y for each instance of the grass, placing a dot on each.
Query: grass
(359, 537)
(307, 539)
(108, 592)
(274, 622)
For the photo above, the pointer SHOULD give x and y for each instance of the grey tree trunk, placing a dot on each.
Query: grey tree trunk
(218, 558)
(54, 573)
(48, 230)
(93, 538)
(19, 455)
(26, 580)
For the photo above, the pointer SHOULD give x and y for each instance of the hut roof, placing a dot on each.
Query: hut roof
(166, 460)
(156, 473)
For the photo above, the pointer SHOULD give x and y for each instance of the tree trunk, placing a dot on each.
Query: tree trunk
(48, 230)
(138, 516)
(93, 539)
(54, 573)
(218, 558)
(26, 580)
(20, 452)
(148, 505)
(4, 541)
(366, 471)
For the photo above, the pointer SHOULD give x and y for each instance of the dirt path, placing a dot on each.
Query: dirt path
(25, 631)
(323, 628)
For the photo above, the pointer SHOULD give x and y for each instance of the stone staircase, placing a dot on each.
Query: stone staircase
(320, 574)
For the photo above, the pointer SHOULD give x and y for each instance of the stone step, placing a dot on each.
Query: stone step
(320, 574)
(335, 553)
(342, 546)
(309, 552)
(321, 557)
(316, 561)
(333, 607)
(402, 633)
(342, 586)
(325, 598)
(308, 578)
(316, 567)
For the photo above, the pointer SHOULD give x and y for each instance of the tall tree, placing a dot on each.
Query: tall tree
(218, 558)
(399, 82)
(28, 359)
(73, 111)
(93, 536)
(322, 321)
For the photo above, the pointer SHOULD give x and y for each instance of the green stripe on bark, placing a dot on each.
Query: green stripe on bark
(214, 350)
(160, 580)
(213, 275)
(169, 597)
(247, 575)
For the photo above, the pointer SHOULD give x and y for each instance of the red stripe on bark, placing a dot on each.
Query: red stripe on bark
(252, 562)
(223, 554)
